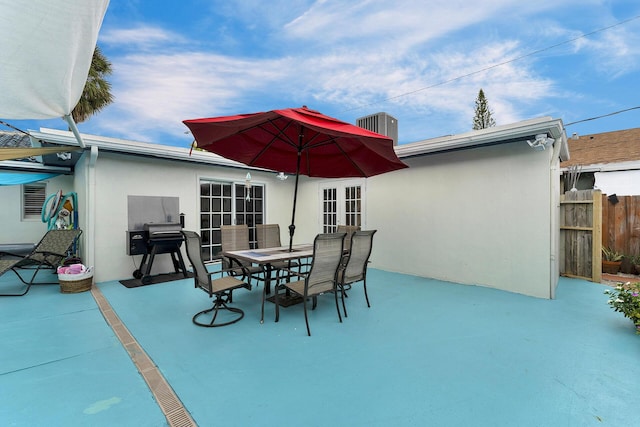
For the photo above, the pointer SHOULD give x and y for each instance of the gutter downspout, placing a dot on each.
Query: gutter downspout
(90, 186)
(554, 189)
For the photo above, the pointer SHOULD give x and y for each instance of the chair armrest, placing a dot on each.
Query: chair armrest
(290, 272)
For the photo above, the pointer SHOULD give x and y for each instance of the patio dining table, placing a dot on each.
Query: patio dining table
(267, 257)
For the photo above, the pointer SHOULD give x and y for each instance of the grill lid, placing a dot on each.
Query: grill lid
(163, 230)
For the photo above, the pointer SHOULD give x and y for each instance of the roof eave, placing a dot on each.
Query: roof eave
(517, 132)
(122, 146)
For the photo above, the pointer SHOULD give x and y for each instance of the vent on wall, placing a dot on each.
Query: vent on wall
(381, 123)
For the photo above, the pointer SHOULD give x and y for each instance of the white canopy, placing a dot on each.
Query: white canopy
(46, 48)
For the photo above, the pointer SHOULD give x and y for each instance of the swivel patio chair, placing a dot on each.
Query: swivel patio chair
(322, 276)
(219, 288)
(54, 247)
(355, 268)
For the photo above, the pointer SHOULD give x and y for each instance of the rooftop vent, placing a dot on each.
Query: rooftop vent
(381, 123)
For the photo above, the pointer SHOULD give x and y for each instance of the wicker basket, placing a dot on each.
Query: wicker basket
(74, 283)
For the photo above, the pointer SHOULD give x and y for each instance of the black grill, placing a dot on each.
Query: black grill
(157, 238)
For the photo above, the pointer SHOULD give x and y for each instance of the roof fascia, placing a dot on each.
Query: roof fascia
(517, 132)
(21, 166)
(607, 167)
(145, 149)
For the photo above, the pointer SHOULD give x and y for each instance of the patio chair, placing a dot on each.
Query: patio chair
(236, 238)
(48, 253)
(219, 288)
(355, 268)
(349, 229)
(268, 236)
(322, 276)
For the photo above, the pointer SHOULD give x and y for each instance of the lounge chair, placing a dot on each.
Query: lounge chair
(219, 288)
(322, 276)
(48, 253)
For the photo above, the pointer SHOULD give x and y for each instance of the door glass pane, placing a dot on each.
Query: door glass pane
(225, 203)
(352, 206)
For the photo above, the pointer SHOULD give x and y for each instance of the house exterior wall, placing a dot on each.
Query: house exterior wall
(483, 216)
(17, 230)
(119, 176)
(478, 217)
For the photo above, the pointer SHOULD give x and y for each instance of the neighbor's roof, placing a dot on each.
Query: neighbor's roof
(620, 146)
(14, 140)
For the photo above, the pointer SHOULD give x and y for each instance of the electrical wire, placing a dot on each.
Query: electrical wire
(518, 58)
(604, 115)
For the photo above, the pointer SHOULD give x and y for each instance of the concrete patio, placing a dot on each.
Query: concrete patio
(426, 353)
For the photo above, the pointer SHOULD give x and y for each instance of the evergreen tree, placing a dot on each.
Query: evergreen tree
(482, 118)
(97, 90)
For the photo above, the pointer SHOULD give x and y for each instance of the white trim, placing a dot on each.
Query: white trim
(135, 147)
(32, 167)
(608, 167)
(517, 132)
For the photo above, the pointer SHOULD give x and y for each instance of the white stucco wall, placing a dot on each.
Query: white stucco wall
(479, 217)
(119, 176)
(17, 230)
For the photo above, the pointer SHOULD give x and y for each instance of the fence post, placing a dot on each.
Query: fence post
(596, 260)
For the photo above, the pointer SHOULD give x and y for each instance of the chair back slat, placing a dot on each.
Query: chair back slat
(268, 235)
(194, 253)
(327, 253)
(361, 245)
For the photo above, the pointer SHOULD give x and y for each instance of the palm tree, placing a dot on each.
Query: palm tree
(97, 91)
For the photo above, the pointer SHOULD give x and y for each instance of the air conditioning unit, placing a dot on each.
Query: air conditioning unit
(381, 123)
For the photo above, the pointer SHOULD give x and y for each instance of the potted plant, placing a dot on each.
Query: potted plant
(635, 260)
(611, 261)
(625, 299)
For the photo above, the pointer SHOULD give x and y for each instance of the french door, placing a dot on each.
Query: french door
(342, 203)
(226, 203)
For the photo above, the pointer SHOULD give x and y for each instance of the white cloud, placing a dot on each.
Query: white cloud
(141, 36)
(414, 59)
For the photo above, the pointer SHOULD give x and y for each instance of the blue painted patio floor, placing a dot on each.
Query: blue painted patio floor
(426, 353)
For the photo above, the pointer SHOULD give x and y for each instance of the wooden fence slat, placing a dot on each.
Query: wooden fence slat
(622, 224)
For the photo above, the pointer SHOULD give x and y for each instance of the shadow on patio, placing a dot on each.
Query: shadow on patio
(426, 353)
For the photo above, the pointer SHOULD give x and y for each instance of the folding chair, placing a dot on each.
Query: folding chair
(48, 253)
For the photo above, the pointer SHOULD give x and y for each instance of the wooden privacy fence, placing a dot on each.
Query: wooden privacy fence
(589, 221)
(621, 224)
(581, 234)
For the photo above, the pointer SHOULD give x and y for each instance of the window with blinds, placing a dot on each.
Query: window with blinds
(33, 197)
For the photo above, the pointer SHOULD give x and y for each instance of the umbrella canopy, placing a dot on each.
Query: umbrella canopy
(297, 141)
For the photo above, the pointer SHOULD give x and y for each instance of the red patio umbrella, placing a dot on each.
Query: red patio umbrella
(297, 141)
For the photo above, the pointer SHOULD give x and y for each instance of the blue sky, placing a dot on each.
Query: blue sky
(422, 62)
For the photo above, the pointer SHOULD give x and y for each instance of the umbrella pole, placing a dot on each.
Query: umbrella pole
(292, 227)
